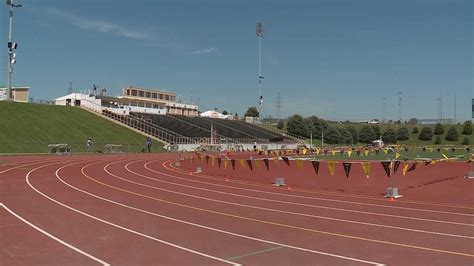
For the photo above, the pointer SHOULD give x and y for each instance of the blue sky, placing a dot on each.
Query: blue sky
(336, 59)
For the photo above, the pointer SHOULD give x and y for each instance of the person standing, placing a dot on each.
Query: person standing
(148, 144)
(89, 144)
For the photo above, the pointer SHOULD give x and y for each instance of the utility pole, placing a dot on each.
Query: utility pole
(259, 32)
(278, 106)
(383, 108)
(400, 106)
(455, 108)
(11, 49)
(69, 89)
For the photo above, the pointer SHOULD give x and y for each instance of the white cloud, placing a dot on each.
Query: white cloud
(211, 50)
(99, 25)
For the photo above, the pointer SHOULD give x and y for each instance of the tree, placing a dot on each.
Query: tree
(252, 112)
(467, 128)
(412, 121)
(415, 130)
(389, 136)
(367, 134)
(452, 134)
(295, 125)
(346, 136)
(426, 134)
(377, 131)
(402, 133)
(466, 141)
(332, 136)
(354, 133)
(280, 124)
(437, 140)
(225, 112)
(439, 129)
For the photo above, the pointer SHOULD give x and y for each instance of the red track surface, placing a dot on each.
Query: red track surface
(140, 210)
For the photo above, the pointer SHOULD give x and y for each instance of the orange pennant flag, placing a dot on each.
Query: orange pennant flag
(333, 153)
(405, 168)
(225, 164)
(242, 162)
(349, 152)
(366, 152)
(366, 168)
(299, 163)
(318, 150)
(331, 165)
(257, 163)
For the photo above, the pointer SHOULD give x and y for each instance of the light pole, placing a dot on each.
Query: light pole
(259, 32)
(11, 48)
(311, 139)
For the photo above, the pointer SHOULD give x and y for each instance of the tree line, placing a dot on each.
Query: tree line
(351, 134)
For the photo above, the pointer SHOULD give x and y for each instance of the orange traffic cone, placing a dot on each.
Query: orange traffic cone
(190, 173)
(226, 179)
(392, 199)
(289, 188)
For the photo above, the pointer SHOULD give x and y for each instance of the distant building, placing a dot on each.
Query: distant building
(160, 99)
(445, 121)
(17, 94)
(134, 100)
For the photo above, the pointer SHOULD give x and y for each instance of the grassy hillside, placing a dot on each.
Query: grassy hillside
(31, 127)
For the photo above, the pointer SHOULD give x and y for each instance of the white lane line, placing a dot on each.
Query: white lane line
(286, 202)
(311, 198)
(116, 225)
(215, 229)
(54, 237)
(285, 212)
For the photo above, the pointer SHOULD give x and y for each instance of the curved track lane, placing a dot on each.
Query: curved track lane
(139, 209)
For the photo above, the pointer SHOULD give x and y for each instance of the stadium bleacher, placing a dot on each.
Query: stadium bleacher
(201, 127)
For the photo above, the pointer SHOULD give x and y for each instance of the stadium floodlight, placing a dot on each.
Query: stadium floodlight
(11, 47)
(259, 32)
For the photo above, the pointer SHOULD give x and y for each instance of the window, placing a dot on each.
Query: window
(134, 93)
(141, 93)
(167, 97)
(154, 95)
(148, 94)
(128, 92)
(161, 96)
(173, 98)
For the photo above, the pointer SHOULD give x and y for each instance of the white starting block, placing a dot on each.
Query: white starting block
(392, 192)
(198, 170)
(280, 181)
(177, 163)
(470, 175)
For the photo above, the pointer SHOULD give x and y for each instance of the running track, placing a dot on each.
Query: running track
(139, 210)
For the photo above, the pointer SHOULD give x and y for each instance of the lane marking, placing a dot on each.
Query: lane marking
(286, 202)
(278, 224)
(54, 237)
(203, 226)
(302, 197)
(255, 253)
(282, 211)
(116, 225)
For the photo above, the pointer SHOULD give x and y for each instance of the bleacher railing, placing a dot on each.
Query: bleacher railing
(297, 138)
(255, 138)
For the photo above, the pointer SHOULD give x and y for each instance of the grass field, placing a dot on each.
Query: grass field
(29, 128)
